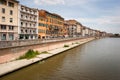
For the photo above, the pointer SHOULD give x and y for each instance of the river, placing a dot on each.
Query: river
(95, 60)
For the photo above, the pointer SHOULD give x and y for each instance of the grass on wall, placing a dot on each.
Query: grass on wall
(77, 43)
(29, 54)
(66, 45)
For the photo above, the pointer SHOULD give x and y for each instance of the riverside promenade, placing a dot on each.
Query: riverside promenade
(9, 67)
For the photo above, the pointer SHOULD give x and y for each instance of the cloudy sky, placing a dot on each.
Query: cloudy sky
(102, 15)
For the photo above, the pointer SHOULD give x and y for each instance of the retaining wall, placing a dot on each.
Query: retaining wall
(11, 53)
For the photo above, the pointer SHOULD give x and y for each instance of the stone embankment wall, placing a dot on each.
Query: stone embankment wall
(11, 53)
(17, 43)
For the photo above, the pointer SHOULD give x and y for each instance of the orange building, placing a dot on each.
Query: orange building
(50, 25)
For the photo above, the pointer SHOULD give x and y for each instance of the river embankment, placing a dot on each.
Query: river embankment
(52, 49)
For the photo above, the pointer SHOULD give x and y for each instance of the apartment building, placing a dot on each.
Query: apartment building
(79, 29)
(66, 29)
(50, 25)
(72, 29)
(28, 22)
(91, 32)
(8, 20)
(83, 31)
(87, 31)
(75, 28)
(103, 34)
(97, 32)
(43, 30)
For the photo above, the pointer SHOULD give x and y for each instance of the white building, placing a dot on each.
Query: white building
(83, 31)
(28, 22)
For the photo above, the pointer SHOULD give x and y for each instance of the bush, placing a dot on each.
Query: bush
(29, 54)
(66, 45)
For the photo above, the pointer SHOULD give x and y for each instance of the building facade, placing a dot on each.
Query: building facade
(94, 33)
(28, 22)
(79, 29)
(8, 20)
(75, 28)
(66, 29)
(43, 30)
(50, 25)
(86, 32)
(72, 28)
(90, 32)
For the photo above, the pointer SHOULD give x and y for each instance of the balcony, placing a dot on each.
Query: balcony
(26, 12)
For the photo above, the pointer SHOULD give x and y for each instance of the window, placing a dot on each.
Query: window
(34, 18)
(21, 36)
(30, 31)
(30, 24)
(3, 37)
(11, 20)
(3, 19)
(46, 25)
(11, 36)
(34, 12)
(11, 12)
(26, 17)
(30, 18)
(34, 31)
(40, 24)
(33, 25)
(21, 23)
(3, 2)
(10, 4)
(3, 27)
(11, 27)
(26, 24)
(3, 10)
(21, 16)
(21, 31)
(26, 10)
(22, 8)
(31, 11)
(26, 31)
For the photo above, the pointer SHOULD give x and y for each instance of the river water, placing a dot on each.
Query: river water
(96, 60)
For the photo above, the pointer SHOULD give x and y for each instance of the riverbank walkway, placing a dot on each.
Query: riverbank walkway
(18, 64)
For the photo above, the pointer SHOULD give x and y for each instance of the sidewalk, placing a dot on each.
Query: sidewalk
(17, 64)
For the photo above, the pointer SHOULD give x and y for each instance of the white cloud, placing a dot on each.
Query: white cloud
(114, 19)
(104, 23)
(49, 2)
(105, 20)
(63, 2)
(80, 2)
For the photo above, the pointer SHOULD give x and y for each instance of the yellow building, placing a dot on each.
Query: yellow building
(50, 25)
(9, 20)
